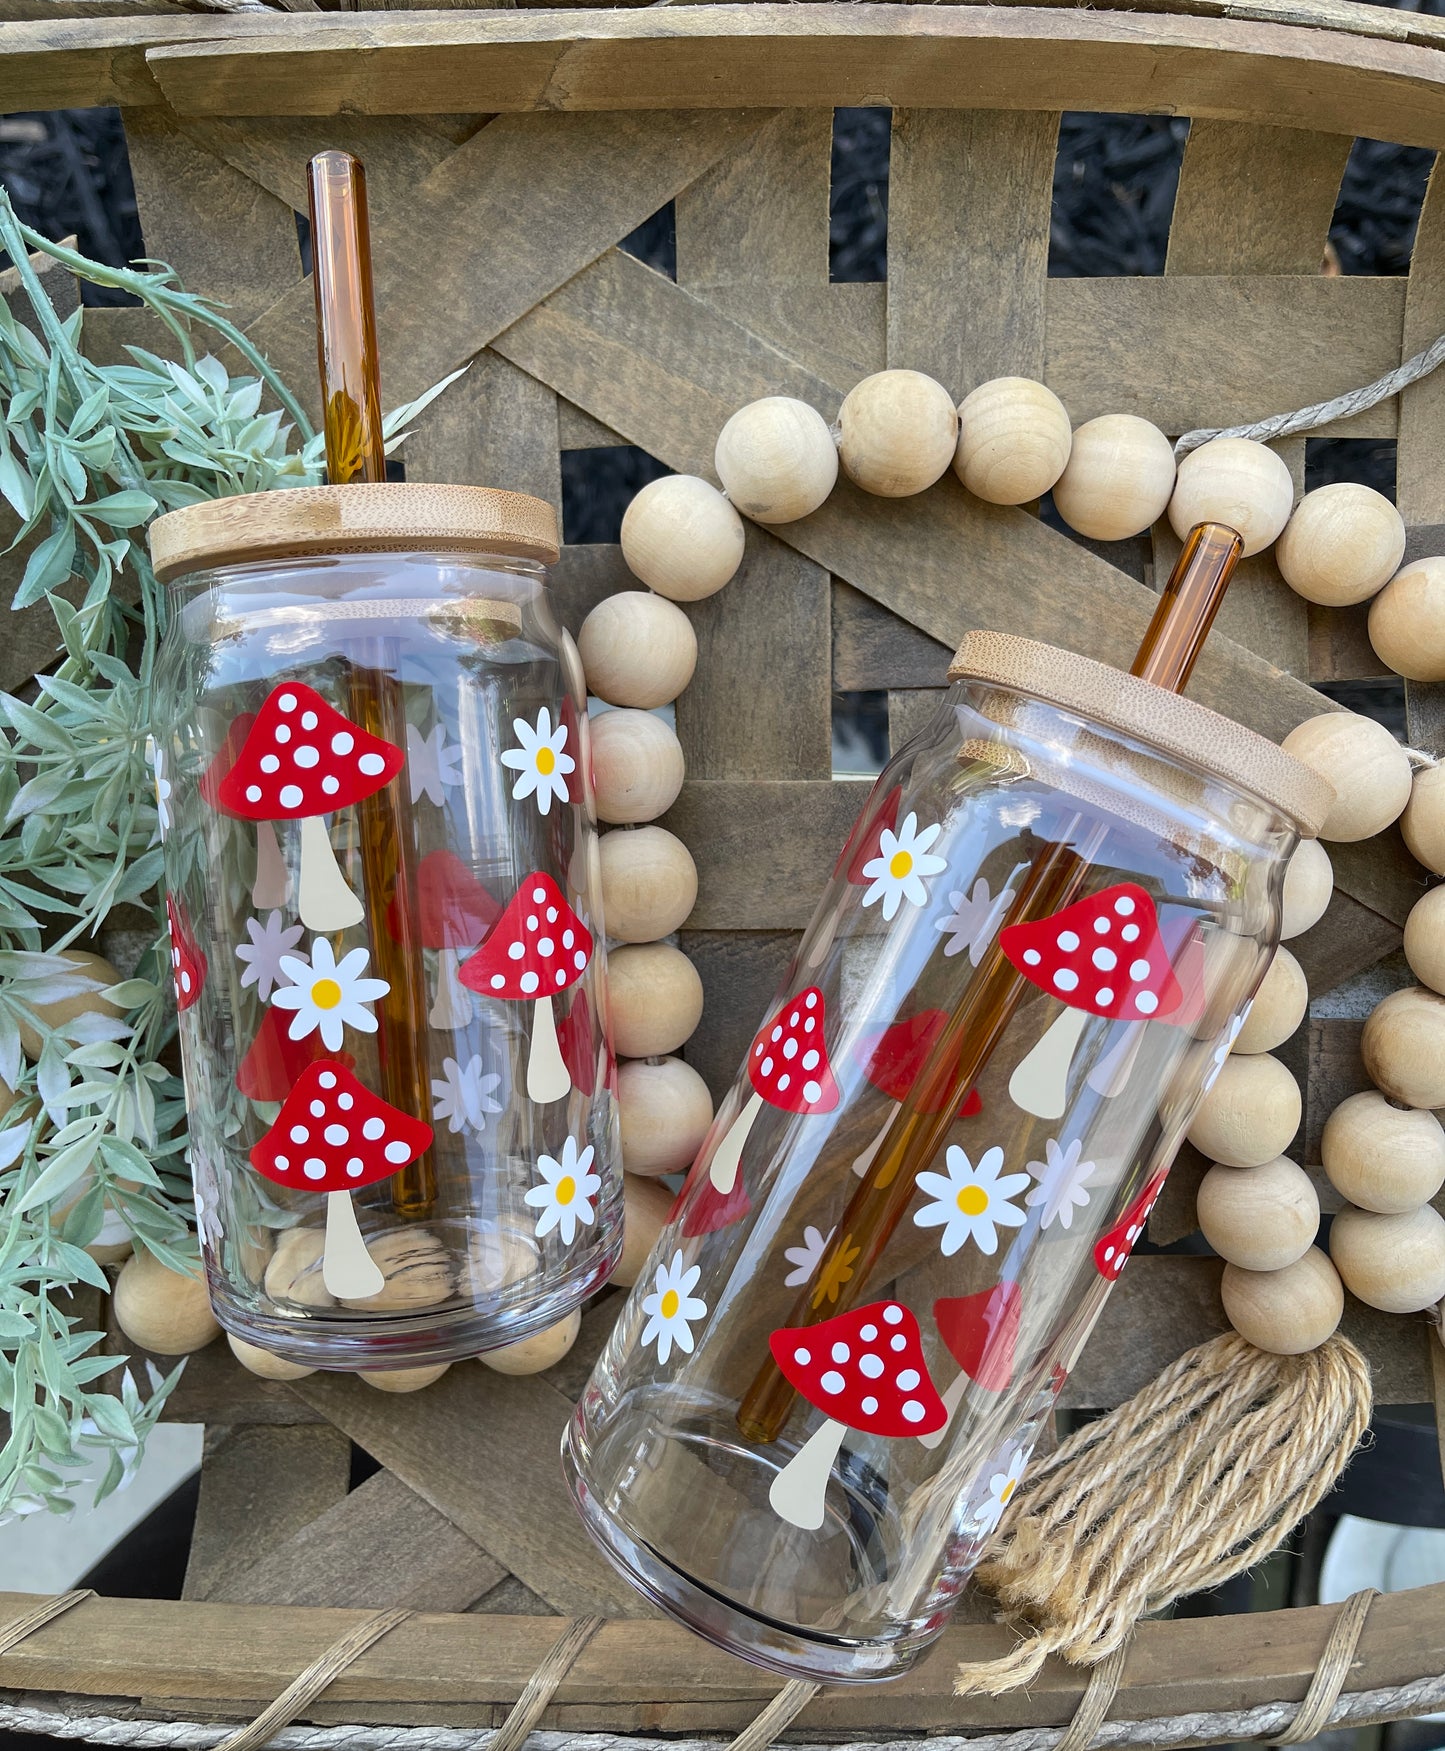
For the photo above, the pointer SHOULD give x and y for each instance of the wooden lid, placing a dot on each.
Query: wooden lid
(1177, 726)
(370, 518)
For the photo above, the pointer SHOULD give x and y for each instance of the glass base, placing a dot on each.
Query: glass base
(408, 1339)
(776, 1647)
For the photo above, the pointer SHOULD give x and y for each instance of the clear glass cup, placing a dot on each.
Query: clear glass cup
(1023, 975)
(380, 857)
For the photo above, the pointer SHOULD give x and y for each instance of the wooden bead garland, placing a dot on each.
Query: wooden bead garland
(403, 1379)
(1425, 939)
(1309, 883)
(1422, 825)
(666, 1111)
(162, 1310)
(1286, 1312)
(1245, 485)
(544, 1349)
(1259, 1218)
(655, 996)
(647, 1204)
(649, 884)
(638, 649)
(1250, 1114)
(682, 538)
(897, 433)
(1367, 766)
(1118, 479)
(1395, 1263)
(66, 1009)
(1383, 1157)
(1013, 441)
(1403, 1046)
(1343, 543)
(1407, 621)
(637, 766)
(1279, 1006)
(776, 459)
(263, 1363)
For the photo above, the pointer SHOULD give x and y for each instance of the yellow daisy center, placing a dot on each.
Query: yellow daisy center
(1007, 1490)
(546, 762)
(669, 1304)
(973, 1200)
(326, 994)
(565, 1189)
(900, 864)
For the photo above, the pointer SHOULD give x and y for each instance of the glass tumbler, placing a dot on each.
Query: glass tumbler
(948, 1133)
(380, 862)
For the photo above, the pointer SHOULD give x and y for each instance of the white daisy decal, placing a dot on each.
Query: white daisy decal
(970, 1203)
(805, 1258)
(208, 1218)
(1063, 1183)
(973, 920)
(156, 755)
(540, 763)
(566, 1193)
(433, 764)
(328, 994)
(1001, 1487)
(462, 1094)
(897, 873)
(672, 1306)
(270, 943)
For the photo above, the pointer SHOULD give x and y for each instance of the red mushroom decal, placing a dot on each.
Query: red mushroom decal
(577, 1042)
(864, 1370)
(274, 1061)
(862, 845)
(1102, 956)
(981, 1332)
(535, 950)
(1110, 1075)
(1111, 1251)
(334, 1135)
(302, 760)
(188, 963)
(272, 884)
(454, 912)
(892, 1059)
(789, 1069)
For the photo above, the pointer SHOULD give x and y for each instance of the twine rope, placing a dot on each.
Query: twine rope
(1108, 1527)
(1332, 1671)
(1323, 413)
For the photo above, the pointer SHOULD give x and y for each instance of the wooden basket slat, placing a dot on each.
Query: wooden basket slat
(654, 1676)
(970, 195)
(494, 427)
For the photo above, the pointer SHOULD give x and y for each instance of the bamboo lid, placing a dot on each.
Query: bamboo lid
(1176, 726)
(365, 518)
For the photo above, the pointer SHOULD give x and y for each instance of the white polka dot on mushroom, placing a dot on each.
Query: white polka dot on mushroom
(832, 1381)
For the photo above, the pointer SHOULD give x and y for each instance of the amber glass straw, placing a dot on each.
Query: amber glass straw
(351, 395)
(1166, 656)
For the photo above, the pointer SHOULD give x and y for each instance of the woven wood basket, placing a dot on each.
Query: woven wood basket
(497, 243)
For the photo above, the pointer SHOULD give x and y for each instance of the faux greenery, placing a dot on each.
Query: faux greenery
(91, 1113)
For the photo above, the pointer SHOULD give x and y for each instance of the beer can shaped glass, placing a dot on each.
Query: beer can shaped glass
(370, 747)
(1025, 970)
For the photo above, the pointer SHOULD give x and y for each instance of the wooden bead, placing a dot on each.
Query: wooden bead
(67, 1009)
(655, 996)
(638, 649)
(1118, 479)
(1014, 439)
(1366, 765)
(1423, 822)
(649, 883)
(497, 1258)
(1250, 1115)
(293, 1275)
(1425, 939)
(1309, 882)
(1383, 1157)
(1395, 1263)
(1341, 545)
(416, 1266)
(1237, 482)
(1260, 1218)
(682, 538)
(897, 431)
(542, 1350)
(646, 1204)
(776, 459)
(1407, 621)
(1403, 1046)
(1279, 1007)
(163, 1311)
(1285, 1312)
(637, 766)
(403, 1379)
(665, 1111)
(261, 1362)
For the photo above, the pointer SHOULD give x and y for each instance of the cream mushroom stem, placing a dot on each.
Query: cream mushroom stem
(1110, 1076)
(548, 1077)
(273, 880)
(864, 1159)
(452, 1007)
(348, 1270)
(723, 1168)
(952, 1398)
(823, 941)
(1040, 1082)
(799, 1490)
(325, 902)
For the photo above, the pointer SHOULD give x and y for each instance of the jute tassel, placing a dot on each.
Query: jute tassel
(1191, 1481)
